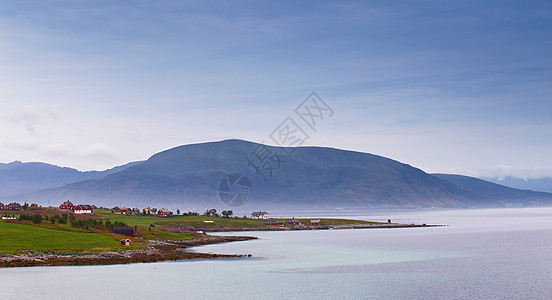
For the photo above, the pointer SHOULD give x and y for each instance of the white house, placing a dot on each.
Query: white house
(259, 215)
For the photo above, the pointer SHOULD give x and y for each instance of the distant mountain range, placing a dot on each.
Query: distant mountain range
(19, 178)
(189, 177)
(536, 184)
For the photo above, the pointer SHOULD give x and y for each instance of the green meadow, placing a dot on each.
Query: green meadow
(18, 236)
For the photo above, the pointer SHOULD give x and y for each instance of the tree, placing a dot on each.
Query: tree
(25, 205)
(177, 211)
(227, 213)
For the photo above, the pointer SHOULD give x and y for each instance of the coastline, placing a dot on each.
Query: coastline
(155, 251)
(164, 250)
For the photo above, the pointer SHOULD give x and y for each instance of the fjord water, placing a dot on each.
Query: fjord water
(482, 254)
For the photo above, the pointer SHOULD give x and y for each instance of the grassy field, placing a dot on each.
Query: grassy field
(198, 222)
(17, 236)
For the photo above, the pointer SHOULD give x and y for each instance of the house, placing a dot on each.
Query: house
(125, 242)
(259, 215)
(124, 230)
(164, 212)
(34, 205)
(293, 222)
(275, 223)
(67, 205)
(315, 222)
(84, 209)
(14, 206)
(124, 211)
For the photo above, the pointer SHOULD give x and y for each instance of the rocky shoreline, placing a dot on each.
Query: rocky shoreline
(154, 251)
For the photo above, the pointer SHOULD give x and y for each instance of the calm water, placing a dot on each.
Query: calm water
(483, 254)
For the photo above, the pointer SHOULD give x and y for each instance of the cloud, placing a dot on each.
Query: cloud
(502, 171)
(99, 151)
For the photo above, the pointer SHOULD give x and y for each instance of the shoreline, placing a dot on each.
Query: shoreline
(155, 251)
(165, 250)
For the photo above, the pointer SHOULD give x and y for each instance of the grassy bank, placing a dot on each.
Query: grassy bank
(17, 236)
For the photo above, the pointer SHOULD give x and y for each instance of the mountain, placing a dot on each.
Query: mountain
(18, 177)
(543, 184)
(190, 177)
(491, 192)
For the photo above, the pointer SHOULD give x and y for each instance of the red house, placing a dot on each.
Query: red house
(84, 209)
(164, 212)
(14, 206)
(67, 205)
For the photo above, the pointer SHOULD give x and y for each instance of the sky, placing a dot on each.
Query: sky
(446, 86)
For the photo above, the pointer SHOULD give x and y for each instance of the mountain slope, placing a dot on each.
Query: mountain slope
(543, 184)
(18, 178)
(491, 192)
(188, 177)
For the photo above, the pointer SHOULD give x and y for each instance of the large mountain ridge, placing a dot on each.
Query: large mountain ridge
(189, 177)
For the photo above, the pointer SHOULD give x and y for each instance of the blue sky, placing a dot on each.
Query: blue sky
(446, 86)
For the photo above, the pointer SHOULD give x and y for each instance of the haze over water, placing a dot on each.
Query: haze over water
(483, 254)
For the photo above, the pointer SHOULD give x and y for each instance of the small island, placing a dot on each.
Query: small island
(85, 235)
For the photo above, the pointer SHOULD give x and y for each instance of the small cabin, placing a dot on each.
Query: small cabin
(125, 242)
(315, 222)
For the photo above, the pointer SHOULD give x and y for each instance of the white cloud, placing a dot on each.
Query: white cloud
(99, 151)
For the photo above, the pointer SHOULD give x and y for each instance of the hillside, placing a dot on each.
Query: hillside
(188, 177)
(488, 192)
(18, 177)
(543, 184)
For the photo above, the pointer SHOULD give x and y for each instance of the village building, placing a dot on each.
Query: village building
(34, 205)
(275, 223)
(83, 209)
(13, 206)
(125, 242)
(164, 212)
(293, 222)
(259, 215)
(124, 211)
(67, 205)
(124, 230)
(315, 222)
